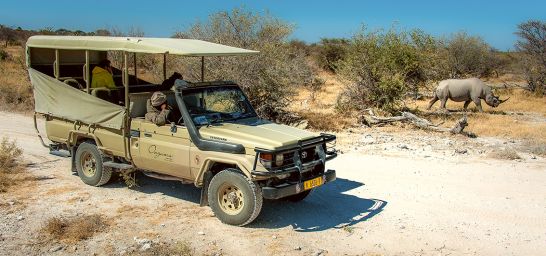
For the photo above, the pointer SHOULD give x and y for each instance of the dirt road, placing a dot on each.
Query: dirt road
(407, 204)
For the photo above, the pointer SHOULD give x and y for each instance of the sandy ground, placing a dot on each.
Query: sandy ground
(396, 194)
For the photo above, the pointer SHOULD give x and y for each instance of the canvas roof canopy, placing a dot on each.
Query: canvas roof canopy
(59, 99)
(184, 47)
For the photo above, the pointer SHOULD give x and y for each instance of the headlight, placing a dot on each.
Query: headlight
(269, 160)
(266, 159)
(279, 160)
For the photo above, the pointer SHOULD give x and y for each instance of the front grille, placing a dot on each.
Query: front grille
(308, 155)
(316, 171)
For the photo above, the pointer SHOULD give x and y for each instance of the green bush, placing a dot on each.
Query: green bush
(470, 56)
(381, 67)
(329, 51)
(268, 78)
(4, 55)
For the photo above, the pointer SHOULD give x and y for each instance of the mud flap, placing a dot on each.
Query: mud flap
(204, 190)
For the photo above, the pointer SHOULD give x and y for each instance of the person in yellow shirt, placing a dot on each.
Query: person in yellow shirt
(102, 76)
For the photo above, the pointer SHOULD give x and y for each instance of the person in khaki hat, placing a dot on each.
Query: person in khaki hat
(158, 109)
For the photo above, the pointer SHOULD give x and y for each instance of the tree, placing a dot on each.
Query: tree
(532, 45)
(469, 55)
(268, 78)
(7, 35)
(381, 67)
(329, 51)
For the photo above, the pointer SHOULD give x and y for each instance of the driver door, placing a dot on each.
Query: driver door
(163, 151)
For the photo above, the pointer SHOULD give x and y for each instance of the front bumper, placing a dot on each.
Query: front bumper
(288, 179)
(285, 190)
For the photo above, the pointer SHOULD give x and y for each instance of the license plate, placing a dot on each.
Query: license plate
(309, 184)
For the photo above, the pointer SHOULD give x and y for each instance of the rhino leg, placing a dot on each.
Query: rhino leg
(478, 104)
(443, 103)
(466, 103)
(432, 101)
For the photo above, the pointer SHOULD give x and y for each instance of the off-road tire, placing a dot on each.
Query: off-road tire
(298, 197)
(252, 197)
(101, 174)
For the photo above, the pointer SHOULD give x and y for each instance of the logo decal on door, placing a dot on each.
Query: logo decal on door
(156, 154)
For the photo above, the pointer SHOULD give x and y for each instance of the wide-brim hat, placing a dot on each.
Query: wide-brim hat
(158, 98)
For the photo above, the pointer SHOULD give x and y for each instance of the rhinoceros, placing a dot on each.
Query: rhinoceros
(467, 90)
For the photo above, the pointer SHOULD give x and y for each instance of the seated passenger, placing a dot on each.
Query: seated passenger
(169, 82)
(102, 76)
(157, 109)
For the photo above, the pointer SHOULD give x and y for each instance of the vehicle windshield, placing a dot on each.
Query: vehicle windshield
(217, 104)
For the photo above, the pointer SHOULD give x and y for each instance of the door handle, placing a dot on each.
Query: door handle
(147, 134)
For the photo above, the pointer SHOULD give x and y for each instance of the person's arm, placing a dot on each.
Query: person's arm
(162, 118)
(110, 82)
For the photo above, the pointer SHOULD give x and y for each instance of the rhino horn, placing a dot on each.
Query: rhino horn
(502, 101)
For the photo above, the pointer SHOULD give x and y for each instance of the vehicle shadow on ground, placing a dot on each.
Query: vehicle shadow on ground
(147, 185)
(325, 208)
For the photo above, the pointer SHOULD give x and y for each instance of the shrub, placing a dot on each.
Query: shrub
(506, 153)
(532, 44)
(380, 67)
(470, 55)
(315, 86)
(73, 230)
(10, 165)
(329, 51)
(4, 55)
(269, 77)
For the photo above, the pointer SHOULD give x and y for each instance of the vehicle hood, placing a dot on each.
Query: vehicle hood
(256, 133)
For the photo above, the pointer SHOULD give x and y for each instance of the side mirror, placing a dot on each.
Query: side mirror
(173, 127)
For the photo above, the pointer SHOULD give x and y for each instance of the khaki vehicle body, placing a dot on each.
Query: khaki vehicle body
(235, 156)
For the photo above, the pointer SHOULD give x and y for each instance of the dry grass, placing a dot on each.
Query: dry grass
(505, 154)
(132, 210)
(535, 147)
(520, 101)
(320, 112)
(72, 230)
(11, 168)
(522, 117)
(177, 249)
(15, 89)
(327, 121)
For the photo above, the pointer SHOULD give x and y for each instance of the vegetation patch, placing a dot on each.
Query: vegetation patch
(11, 168)
(178, 249)
(326, 121)
(535, 147)
(72, 230)
(505, 154)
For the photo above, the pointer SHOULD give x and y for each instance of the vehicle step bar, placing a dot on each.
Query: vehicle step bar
(120, 166)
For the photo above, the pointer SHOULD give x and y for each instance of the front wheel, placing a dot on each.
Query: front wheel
(234, 198)
(89, 165)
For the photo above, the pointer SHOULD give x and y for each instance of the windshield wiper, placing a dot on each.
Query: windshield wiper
(247, 115)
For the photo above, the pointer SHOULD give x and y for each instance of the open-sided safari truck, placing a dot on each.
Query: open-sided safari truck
(218, 143)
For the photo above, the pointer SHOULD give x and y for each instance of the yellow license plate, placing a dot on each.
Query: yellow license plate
(309, 184)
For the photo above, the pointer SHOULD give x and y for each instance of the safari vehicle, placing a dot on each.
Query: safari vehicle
(219, 143)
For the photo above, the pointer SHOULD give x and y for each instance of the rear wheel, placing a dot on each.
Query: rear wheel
(298, 197)
(234, 198)
(89, 165)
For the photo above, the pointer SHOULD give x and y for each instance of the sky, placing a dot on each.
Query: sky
(494, 21)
